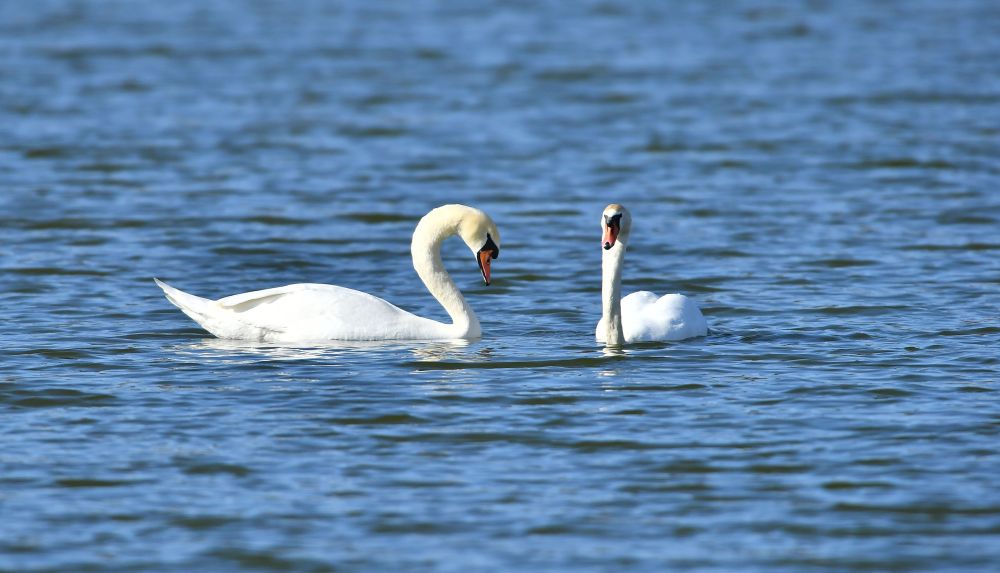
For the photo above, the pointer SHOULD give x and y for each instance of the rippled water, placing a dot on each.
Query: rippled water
(823, 179)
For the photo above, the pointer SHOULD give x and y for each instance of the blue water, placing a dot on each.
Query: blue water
(823, 178)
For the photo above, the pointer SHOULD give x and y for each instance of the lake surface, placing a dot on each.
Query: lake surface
(822, 179)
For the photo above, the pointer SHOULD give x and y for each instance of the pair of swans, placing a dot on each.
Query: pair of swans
(318, 312)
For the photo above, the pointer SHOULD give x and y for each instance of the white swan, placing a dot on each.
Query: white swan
(641, 316)
(318, 312)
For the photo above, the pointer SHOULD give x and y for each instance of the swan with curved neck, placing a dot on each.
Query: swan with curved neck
(641, 316)
(318, 312)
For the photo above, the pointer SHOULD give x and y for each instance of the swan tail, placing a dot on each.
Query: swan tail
(188, 303)
(213, 316)
(197, 308)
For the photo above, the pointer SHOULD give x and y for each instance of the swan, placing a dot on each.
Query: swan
(641, 316)
(319, 312)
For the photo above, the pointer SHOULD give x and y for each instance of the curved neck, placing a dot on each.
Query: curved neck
(426, 252)
(611, 293)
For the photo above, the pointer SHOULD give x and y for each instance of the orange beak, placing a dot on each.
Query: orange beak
(485, 258)
(610, 236)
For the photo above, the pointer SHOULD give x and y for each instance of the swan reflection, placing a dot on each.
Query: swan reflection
(440, 350)
(436, 350)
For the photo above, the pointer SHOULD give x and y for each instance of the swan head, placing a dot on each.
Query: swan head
(482, 237)
(616, 224)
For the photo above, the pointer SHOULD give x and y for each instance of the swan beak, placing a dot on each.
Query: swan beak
(610, 234)
(485, 257)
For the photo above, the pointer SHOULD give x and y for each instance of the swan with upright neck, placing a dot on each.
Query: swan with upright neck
(641, 316)
(319, 312)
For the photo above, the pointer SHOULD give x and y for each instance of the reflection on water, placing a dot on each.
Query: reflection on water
(333, 349)
(612, 353)
(448, 350)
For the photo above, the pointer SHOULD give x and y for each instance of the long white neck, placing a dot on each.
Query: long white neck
(611, 293)
(425, 248)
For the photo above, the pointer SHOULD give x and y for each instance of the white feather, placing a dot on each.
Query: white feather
(640, 316)
(318, 312)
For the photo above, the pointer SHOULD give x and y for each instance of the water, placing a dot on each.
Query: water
(823, 179)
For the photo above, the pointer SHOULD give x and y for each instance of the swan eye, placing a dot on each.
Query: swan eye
(612, 226)
(491, 247)
(614, 221)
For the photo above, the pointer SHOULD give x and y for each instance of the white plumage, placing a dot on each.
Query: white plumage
(646, 318)
(318, 312)
(640, 316)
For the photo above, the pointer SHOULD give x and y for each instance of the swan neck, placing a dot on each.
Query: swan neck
(426, 252)
(611, 293)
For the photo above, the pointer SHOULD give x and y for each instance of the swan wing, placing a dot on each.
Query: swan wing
(646, 317)
(326, 312)
(305, 312)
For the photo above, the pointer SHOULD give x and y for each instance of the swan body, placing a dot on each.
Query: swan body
(640, 316)
(319, 312)
(648, 318)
